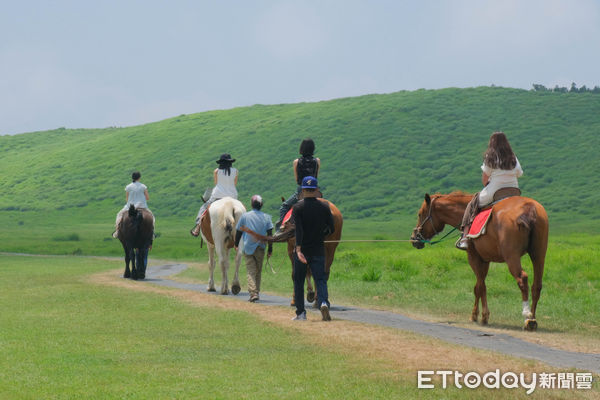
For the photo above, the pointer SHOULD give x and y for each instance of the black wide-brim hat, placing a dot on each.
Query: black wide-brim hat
(225, 158)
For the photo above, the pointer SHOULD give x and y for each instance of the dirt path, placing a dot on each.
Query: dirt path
(502, 343)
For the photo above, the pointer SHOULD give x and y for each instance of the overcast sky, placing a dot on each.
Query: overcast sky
(94, 64)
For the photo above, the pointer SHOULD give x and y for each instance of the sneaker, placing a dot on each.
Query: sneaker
(462, 243)
(194, 232)
(253, 298)
(300, 317)
(115, 234)
(325, 312)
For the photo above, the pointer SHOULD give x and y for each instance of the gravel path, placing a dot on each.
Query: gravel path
(468, 337)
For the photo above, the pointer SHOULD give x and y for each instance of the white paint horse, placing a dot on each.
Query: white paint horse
(218, 231)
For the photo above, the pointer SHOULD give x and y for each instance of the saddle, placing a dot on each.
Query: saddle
(503, 193)
(482, 216)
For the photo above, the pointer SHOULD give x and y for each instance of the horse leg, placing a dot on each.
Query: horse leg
(223, 254)
(235, 285)
(514, 265)
(538, 246)
(127, 273)
(290, 251)
(536, 289)
(480, 268)
(134, 266)
(211, 267)
(142, 259)
(311, 293)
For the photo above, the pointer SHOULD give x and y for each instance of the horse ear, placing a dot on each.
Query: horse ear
(427, 199)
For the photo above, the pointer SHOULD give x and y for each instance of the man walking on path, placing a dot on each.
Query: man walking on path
(313, 221)
(252, 225)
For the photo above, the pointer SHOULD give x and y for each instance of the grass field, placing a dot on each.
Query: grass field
(62, 336)
(379, 154)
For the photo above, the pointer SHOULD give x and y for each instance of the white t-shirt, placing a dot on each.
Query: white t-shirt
(499, 178)
(225, 184)
(136, 195)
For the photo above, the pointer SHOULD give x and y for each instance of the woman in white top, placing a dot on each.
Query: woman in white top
(225, 178)
(500, 169)
(136, 194)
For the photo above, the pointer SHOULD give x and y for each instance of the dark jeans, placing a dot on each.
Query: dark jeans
(317, 267)
(289, 203)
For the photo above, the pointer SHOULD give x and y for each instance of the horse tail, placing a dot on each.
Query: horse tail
(538, 236)
(135, 216)
(132, 211)
(528, 217)
(229, 226)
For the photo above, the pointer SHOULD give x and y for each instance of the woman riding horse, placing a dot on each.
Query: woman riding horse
(500, 169)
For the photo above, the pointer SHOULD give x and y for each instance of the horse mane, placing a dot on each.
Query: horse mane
(458, 193)
(452, 195)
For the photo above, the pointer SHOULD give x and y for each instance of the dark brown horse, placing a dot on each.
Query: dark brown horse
(136, 235)
(287, 234)
(518, 225)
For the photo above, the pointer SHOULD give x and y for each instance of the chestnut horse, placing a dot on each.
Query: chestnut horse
(518, 225)
(287, 234)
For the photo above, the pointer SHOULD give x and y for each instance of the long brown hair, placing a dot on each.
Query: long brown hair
(499, 154)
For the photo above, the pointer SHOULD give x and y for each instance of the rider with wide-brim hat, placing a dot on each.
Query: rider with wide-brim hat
(225, 180)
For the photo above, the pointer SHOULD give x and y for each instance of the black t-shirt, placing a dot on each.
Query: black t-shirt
(307, 166)
(313, 221)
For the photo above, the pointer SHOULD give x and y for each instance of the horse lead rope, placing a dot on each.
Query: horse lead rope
(392, 240)
(269, 238)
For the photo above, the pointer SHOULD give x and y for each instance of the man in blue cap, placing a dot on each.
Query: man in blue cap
(313, 221)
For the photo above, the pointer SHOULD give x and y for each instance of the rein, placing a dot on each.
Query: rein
(423, 240)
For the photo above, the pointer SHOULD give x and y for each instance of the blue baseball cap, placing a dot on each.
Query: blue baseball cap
(310, 182)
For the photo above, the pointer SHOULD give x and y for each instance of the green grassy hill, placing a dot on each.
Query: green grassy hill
(380, 154)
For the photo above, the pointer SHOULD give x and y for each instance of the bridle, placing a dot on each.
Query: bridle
(419, 236)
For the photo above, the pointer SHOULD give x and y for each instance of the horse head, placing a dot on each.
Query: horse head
(286, 231)
(427, 224)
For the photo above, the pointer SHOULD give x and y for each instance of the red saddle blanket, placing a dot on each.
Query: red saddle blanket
(479, 223)
(287, 217)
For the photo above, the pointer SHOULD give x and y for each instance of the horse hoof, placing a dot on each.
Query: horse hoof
(225, 292)
(310, 296)
(211, 289)
(530, 325)
(235, 289)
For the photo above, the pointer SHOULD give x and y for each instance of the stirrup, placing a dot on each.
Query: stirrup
(462, 243)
